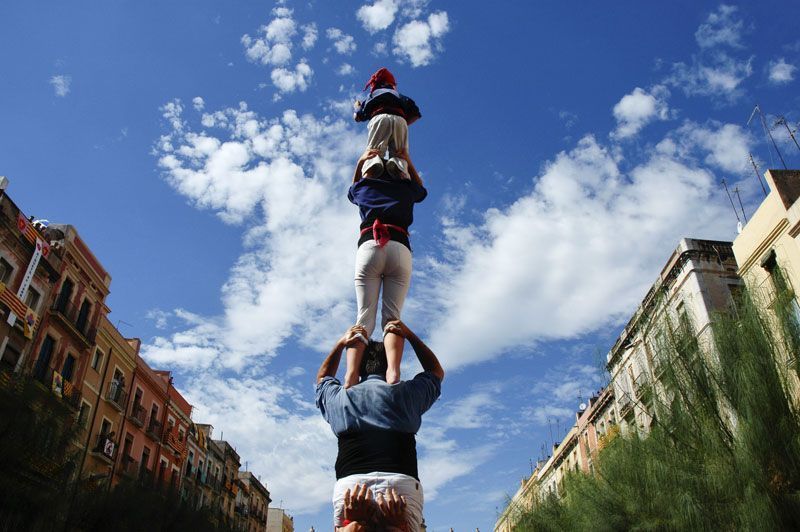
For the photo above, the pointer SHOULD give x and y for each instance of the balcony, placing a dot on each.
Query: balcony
(104, 448)
(61, 387)
(138, 415)
(129, 467)
(69, 315)
(154, 430)
(116, 395)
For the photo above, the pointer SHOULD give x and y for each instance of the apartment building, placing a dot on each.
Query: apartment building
(68, 329)
(252, 502)
(28, 273)
(105, 398)
(699, 278)
(279, 521)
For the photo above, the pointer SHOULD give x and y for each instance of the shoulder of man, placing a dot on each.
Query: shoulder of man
(326, 390)
(424, 389)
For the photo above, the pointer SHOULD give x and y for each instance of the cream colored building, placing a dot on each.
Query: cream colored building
(699, 278)
(767, 249)
(279, 521)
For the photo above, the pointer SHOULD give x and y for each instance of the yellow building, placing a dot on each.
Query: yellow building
(106, 387)
(767, 249)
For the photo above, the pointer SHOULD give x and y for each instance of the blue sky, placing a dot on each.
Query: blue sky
(203, 150)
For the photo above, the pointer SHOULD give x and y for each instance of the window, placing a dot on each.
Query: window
(69, 366)
(43, 362)
(33, 298)
(83, 316)
(65, 295)
(145, 457)
(97, 359)
(6, 269)
(105, 427)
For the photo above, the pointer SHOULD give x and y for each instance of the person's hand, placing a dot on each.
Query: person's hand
(355, 526)
(369, 154)
(393, 509)
(351, 336)
(399, 328)
(358, 504)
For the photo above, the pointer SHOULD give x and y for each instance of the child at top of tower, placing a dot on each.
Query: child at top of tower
(389, 114)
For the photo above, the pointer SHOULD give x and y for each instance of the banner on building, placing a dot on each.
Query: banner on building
(58, 384)
(30, 233)
(38, 253)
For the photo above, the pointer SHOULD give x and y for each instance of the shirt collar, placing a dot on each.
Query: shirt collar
(375, 377)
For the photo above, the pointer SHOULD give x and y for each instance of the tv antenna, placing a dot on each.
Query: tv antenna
(728, 192)
(782, 121)
(758, 175)
(767, 133)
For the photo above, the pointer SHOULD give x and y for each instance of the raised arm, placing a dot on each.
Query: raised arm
(331, 363)
(426, 357)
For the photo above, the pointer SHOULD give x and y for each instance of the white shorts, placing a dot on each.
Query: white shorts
(379, 482)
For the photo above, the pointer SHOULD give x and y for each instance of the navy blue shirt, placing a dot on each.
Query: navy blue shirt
(374, 404)
(389, 200)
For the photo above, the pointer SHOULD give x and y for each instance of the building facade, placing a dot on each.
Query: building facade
(279, 521)
(253, 503)
(104, 401)
(699, 278)
(29, 271)
(595, 423)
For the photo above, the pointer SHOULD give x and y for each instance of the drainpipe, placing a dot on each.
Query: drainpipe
(94, 411)
(121, 431)
(88, 442)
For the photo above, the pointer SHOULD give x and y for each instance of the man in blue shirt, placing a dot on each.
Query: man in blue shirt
(375, 423)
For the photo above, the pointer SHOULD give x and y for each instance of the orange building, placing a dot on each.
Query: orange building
(26, 258)
(65, 342)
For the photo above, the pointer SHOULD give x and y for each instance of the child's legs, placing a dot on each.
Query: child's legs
(370, 260)
(379, 130)
(396, 281)
(398, 142)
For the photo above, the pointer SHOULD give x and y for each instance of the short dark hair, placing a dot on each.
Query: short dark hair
(374, 360)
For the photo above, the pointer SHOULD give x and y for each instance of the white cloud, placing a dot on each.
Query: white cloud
(273, 46)
(714, 71)
(198, 103)
(309, 36)
(637, 109)
(378, 16)
(344, 43)
(419, 40)
(720, 29)
(720, 75)
(380, 48)
(345, 70)
(724, 146)
(781, 72)
(61, 84)
(557, 263)
(160, 318)
(292, 80)
(277, 174)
